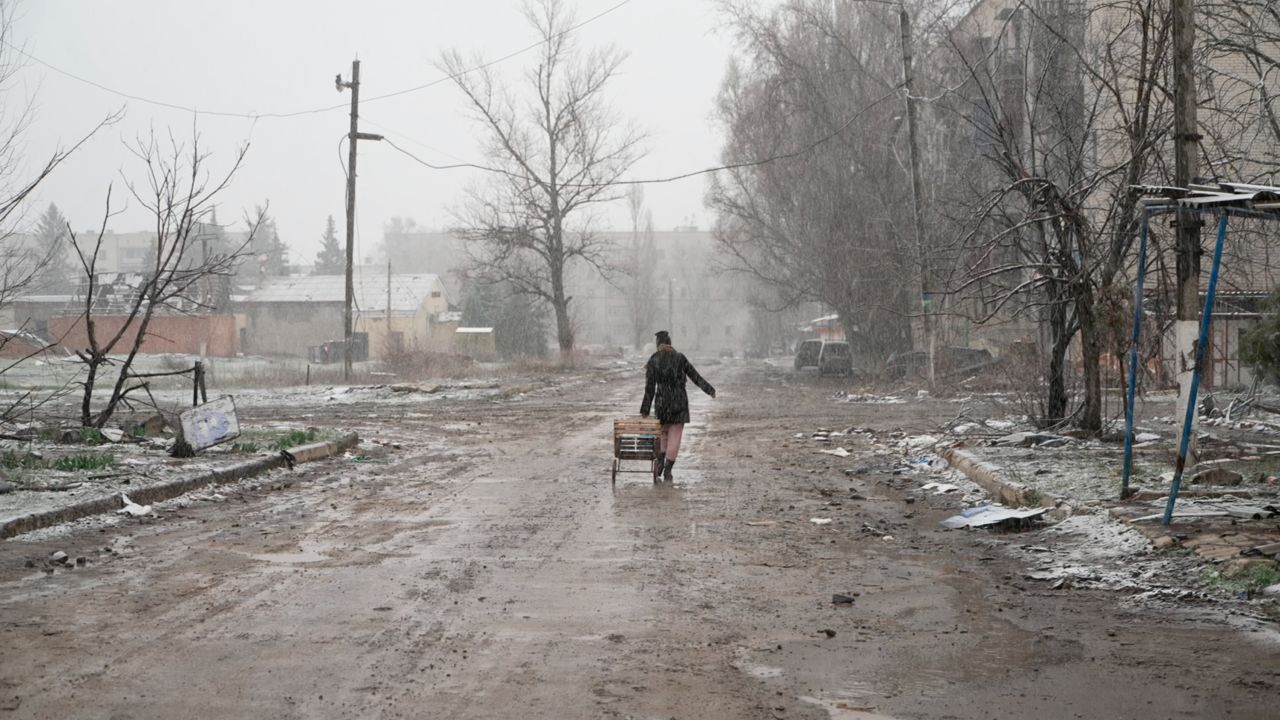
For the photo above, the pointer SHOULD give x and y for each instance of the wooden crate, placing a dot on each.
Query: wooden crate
(636, 439)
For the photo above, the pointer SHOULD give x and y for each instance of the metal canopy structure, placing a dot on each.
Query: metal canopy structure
(1222, 200)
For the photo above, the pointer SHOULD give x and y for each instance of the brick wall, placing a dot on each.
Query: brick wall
(214, 334)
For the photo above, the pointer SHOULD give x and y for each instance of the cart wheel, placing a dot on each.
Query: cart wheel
(614, 479)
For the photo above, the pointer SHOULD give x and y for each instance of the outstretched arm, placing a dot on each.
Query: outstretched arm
(697, 379)
(648, 390)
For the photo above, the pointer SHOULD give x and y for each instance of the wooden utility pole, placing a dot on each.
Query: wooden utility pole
(917, 183)
(1187, 246)
(353, 136)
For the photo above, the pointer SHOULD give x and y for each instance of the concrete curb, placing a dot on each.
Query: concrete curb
(148, 494)
(990, 477)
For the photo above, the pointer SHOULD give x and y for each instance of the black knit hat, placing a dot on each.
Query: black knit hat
(663, 337)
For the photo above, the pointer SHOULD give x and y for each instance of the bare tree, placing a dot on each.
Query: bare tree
(1239, 88)
(557, 151)
(642, 259)
(179, 193)
(813, 205)
(21, 262)
(1068, 109)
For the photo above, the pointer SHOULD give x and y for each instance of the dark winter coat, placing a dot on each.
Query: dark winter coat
(664, 377)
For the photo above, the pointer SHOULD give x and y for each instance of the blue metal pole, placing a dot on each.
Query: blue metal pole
(1133, 355)
(1205, 319)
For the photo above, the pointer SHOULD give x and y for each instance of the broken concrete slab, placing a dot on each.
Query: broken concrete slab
(989, 477)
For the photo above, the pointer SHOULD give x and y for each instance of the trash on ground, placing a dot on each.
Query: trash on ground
(1272, 549)
(838, 452)
(820, 521)
(133, 509)
(1032, 439)
(940, 488)
(209, 424)
(1216, 476)
(844, 598)
(990, 514)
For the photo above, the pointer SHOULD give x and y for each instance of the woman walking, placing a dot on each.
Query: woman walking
(664, 377)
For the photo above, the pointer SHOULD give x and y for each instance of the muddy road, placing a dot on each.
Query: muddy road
(476, 563)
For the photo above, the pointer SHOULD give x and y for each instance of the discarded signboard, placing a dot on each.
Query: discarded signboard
(212, 423)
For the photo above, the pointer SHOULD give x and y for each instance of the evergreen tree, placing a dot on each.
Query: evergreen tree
(277, 254)
(519, 321)
(331, 260)
(270, 255)
(58, 274)
(1261, 347)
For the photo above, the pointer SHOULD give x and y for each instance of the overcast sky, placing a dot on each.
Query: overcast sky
(279, 56)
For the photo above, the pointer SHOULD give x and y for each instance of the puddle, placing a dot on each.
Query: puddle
(762, 672)
(744, 664)
(308, 552)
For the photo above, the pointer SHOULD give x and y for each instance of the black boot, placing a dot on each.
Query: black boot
(666, 469)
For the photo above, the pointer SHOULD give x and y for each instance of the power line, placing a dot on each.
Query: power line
(807, 148)
(311, 111)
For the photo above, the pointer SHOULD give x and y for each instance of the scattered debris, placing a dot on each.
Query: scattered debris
(112, 434)
(1216, 476)
(209, 424)
(940, 488)
(844, 598)
(838, 452)
(763, 523)
(820, 521)
(1272, 549)
(59, 557)
(133, 509)
(990, 514)
(1033, 439)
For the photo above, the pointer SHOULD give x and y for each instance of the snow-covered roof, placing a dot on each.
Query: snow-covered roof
(408, 292)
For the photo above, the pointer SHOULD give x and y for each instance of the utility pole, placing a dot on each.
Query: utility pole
(917, 210)
(1187, 225)
(353, 136)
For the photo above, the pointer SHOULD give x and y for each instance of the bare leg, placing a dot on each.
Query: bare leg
(674, 432)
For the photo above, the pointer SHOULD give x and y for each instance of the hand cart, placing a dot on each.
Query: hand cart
(637, 439)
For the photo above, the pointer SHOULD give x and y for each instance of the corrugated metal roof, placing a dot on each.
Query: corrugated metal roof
(408, 292)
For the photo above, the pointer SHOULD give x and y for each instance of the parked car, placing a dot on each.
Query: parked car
(807, 354)
(835, 358)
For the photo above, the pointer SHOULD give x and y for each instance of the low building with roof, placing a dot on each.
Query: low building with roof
(289, 316)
